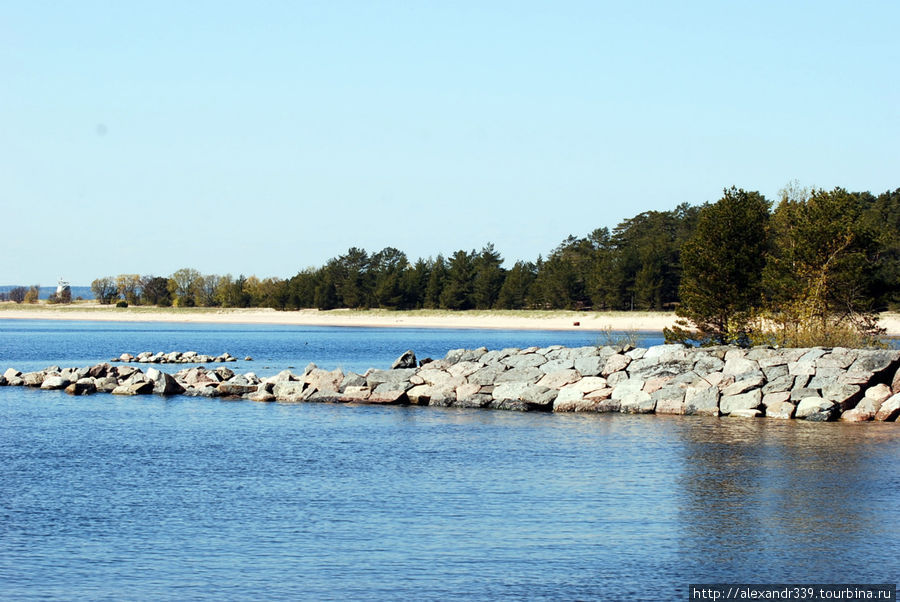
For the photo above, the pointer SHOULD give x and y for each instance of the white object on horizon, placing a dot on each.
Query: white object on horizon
(61, 285)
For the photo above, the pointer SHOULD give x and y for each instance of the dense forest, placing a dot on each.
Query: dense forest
(635, 266)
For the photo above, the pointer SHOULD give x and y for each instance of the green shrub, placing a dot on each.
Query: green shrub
(122, 304)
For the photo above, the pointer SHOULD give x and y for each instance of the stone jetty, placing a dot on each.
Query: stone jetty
(817, 384)
(176, 357)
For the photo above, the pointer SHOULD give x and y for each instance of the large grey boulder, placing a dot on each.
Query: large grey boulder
(377, 377)
(163, 383)
(134, 387)
(860, 413)
(557, 365)
(407, 360)
(739, 366)
(744, 385)
(235, 389)
(637, 402)
(83, 386)
(876, 362)
(33, 379)
(615, 363)
(889, 410)
(751, 400)
(53, 383)
(539, 398)
(477, 401)
(487, 375)
(290, 391)
(510, 390)
(352, 379)
(441, 379)
(534, 397)
(589, 365)
(707, 364)
(355, 394)
(389, 387)
(524, 360)
(472, 355)
(803, 393)
(527, 374)
(106, 384)
(701, 402)
(387, 397)
(464, 369)
(418, 395)
(824, 377)
(783, 410)
(559, 379)
(816, 409)
(627, 387)
(325, 380)
(669, 400)
(878, 394)
(773, 373)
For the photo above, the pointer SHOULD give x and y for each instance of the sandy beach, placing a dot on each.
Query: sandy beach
(512, 320)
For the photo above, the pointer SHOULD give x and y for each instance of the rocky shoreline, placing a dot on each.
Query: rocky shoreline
(817, 384)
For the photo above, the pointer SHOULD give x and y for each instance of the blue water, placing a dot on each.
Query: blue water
(31, 344)
(105, 497)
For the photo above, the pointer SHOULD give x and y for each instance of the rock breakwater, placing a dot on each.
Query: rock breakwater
(176, 357)
(818, 384)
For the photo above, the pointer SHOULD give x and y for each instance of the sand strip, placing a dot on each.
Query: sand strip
(503, 320)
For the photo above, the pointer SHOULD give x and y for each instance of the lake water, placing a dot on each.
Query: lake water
(105, 497)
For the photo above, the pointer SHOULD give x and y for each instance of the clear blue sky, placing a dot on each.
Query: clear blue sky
(265, 137)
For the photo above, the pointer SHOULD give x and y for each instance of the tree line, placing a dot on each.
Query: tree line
(812, 272)
(638, 265)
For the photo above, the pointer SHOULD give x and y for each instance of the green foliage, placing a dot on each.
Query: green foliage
(821, 275)
(122, 303)
(33, 294)
(155, 291)
(128, 287)
(457, 291)
(437, 278)
(17, 294)
(722, 265)
(182, 286)
(488, 278)
(514, 291)
(829, 256)
(104, 290)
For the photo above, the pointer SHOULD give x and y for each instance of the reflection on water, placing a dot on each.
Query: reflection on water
(816, 501)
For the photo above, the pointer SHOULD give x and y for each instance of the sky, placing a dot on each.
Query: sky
(267, 137)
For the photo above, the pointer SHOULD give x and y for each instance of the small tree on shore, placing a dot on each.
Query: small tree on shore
(33, 294)
(18, 294)
(104, 290)
(722, 264)
(819, 276)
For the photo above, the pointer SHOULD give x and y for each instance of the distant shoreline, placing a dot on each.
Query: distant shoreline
(640, 321)
(488, 319)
